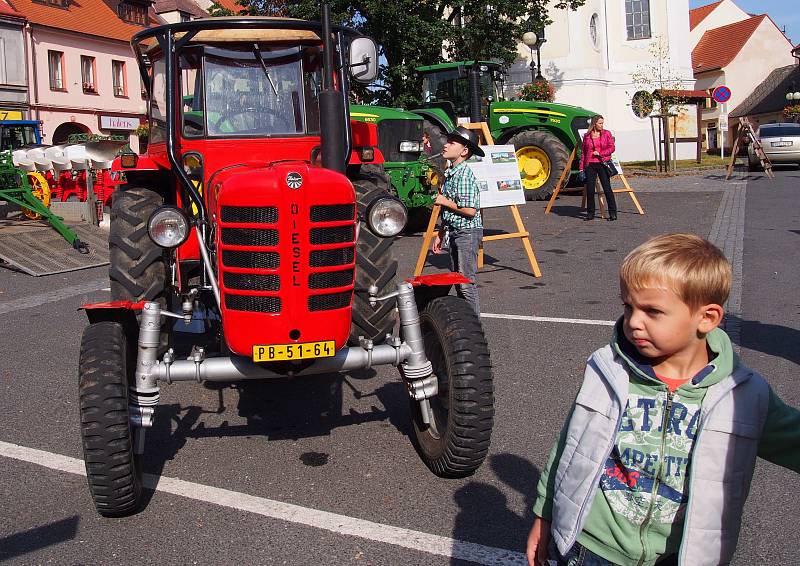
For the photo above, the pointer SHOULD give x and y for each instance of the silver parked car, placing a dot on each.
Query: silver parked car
(781, 143)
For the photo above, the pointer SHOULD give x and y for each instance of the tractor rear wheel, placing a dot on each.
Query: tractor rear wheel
(456, 441)
(542, 157)
(138, 269)
(113, 470)
(375, 265)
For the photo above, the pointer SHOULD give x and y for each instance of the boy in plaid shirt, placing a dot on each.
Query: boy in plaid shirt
(460, 200)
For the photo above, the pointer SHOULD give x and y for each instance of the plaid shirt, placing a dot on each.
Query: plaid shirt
(461, 187)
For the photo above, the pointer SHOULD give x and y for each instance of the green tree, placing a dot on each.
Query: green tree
(412, 33)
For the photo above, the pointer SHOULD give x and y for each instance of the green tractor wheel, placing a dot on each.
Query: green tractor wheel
(542, 157)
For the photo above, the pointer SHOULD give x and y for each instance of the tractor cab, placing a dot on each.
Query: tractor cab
(447, 86)
(19, 134)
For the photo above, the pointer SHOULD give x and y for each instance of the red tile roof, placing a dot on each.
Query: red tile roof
(8, 11)
(231, 5)
(699, 14)
(91, 17)
(719, 46)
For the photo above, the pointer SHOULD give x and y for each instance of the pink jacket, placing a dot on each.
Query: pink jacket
(604, 144)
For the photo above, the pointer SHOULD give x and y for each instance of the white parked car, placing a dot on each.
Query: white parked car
(781, 143)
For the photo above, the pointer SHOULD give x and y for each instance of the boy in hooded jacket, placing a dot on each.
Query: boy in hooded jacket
(654, 463)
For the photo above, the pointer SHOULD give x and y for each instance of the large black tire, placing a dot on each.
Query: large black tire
(456, 442)
(375, 265)
(541, 185)
(138, 269)
(113, 470)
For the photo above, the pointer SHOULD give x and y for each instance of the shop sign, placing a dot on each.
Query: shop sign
(119, 122)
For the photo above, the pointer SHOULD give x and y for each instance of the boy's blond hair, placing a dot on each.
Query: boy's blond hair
(689, 266)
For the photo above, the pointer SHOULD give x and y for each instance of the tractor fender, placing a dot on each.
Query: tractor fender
(437, 116)
(143, 163)
(433, 286)
(511, 132)
(123, 312)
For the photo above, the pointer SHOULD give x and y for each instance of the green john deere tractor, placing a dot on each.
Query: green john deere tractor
(410, 172)
(543, 133)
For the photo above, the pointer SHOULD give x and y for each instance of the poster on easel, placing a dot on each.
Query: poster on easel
(497, 174)
(617, 164)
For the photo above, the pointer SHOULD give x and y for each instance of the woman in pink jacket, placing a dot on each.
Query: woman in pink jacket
(598, 145)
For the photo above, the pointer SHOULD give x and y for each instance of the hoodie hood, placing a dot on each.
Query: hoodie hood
(723, 359)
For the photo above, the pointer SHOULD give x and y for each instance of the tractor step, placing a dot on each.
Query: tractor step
(41, 250)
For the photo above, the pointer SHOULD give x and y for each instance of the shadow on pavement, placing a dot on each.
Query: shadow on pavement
(484, 516)
(39, 537)
(276, 409)
(771, 339)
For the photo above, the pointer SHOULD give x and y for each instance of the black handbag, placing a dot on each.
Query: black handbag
(611, 168)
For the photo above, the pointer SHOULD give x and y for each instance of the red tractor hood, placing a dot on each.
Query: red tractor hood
(285, 244)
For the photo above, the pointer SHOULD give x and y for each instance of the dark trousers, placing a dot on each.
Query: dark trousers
(593, 171)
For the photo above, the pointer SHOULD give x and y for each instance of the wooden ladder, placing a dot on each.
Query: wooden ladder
(747, 131)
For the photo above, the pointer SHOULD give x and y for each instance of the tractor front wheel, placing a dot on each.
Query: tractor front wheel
(138, 269)
(375, 265)
(542, 157)
(456, 441)
(112, 468)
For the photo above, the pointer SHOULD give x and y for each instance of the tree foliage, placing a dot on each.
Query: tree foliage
(413, 33)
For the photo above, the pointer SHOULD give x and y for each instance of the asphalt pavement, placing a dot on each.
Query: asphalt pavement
(320, 470)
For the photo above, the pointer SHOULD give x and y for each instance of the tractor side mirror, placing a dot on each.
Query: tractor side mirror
(363, 60)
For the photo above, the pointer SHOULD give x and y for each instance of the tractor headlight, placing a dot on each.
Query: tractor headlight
(410, 146)
(387, 216)
(168, 227)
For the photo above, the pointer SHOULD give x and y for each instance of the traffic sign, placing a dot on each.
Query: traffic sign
(723, 122)
(721, 94)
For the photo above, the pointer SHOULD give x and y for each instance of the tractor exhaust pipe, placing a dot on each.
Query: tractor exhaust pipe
(331, 103)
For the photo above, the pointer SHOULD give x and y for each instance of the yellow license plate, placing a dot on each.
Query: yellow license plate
(304, 351)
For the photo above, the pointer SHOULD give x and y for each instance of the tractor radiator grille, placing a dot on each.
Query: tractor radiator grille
(326, 258)
(392, 132)
(336, 235)
(330, 279)
(332, 212)
(329, 302)
(251, 282)
(249, 237)
(255, 215)
(253, 304)
(250, 260)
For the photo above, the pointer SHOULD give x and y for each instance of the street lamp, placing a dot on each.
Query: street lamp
(535, 40)
(793, 94)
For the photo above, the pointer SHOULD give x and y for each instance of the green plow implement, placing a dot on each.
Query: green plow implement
(15, 187)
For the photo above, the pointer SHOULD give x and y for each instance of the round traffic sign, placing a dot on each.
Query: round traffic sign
(721, 94)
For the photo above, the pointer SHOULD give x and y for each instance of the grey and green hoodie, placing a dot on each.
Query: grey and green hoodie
(623, 468)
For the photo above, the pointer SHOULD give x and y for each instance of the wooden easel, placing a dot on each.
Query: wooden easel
(521, 232)
(562, 181)
(746, 131)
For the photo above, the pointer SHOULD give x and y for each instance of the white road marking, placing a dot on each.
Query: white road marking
(550, 319)
(53, 296)
(333, 522)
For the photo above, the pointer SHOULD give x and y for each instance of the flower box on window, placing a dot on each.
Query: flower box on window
(89, 87)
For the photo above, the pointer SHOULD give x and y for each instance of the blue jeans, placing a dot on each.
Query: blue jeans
(579, 555)
(464, 246)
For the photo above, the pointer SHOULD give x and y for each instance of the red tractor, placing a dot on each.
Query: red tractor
(249, 217)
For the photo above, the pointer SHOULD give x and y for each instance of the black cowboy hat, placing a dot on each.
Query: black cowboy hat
(467, 138)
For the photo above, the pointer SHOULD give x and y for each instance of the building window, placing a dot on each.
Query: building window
(88, 74)
(57, 3)
(55, 63)
(594, 22)
(642, 104)
(637, 18)
(133, 13)
(118, 75)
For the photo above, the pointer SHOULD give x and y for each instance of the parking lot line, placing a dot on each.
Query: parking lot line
(333, 522)
(549, 319)
(53, 296)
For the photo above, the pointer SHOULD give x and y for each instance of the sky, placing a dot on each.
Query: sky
(783, 13)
